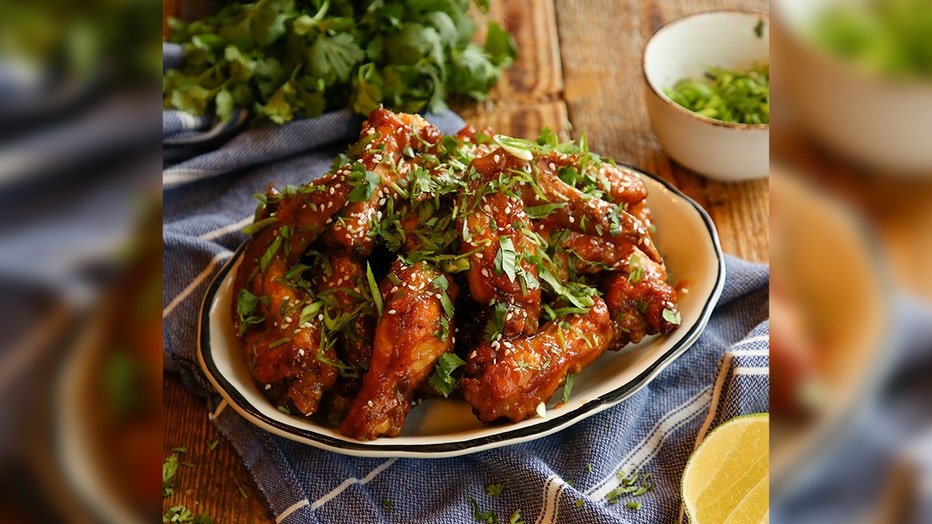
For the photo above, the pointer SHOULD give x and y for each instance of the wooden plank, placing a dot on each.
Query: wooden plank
(523, 121)
(214, 478)
(537, 75)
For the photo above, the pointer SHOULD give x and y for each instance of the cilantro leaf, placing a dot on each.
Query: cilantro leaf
(169, 468)
(495, 322)
(442, 379)
(506, 260)
(333, 57)
(672, 317)
(635, 271)
(365, 183)
(246, 304)
(494, 490)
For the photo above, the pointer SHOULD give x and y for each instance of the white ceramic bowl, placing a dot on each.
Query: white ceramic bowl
(684, 48)
(865, 118)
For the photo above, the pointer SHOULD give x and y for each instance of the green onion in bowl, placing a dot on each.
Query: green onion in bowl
(741, 97)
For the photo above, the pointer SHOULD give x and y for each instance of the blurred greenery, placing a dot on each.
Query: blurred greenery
(83, 39)
(890, 37)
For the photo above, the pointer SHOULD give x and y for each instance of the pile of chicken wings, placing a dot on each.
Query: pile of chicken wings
(476, 265)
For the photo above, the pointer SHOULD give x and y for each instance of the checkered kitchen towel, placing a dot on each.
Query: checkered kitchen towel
(208, 199)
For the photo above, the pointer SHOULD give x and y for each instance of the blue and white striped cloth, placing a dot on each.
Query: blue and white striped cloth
(207, 199)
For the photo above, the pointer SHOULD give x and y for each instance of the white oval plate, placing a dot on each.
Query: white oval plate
(437, 427)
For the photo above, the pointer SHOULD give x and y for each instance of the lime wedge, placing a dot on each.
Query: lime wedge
(727, 478)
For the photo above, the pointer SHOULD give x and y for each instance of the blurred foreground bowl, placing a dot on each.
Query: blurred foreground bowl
(861, 114)
(685, 48)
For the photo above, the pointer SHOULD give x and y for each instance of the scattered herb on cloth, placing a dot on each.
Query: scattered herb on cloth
(741, 97)
(284, 59)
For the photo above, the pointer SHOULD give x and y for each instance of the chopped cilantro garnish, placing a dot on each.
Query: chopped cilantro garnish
(495, 322)
(515, 517)
(365, 183)
(182, 514)
(506, 260)
(259, 225)
(634, 269)
(633, 505)
(541, 410)
(568, 387)
(387, 504)
(494, 490)
(483, 516)
(633, 485)
(727, 95)
(266, 257)
(672, 317)
(169, 468)
(213, 444)
(246, 304)
(441, 379)
(374, 290)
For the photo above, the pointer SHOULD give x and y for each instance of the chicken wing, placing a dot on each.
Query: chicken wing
(388, 148)
(508, 379)
(640, 300)
(416, 327)
(342, 290)
(496, 233)
(285, 357)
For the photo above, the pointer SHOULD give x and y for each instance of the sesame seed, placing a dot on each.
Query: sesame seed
(391, 311)
(268, 386)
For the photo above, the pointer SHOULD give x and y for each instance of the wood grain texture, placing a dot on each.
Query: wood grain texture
(216, 481)
(578, 72)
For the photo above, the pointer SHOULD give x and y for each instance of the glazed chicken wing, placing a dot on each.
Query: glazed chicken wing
(640, 300)
(341, 290)
(414, 330)
(496, 233)
(508, 379)
(282, 352)
(388, 149)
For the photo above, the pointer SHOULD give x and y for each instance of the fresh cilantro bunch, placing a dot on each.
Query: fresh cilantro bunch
(283, 59)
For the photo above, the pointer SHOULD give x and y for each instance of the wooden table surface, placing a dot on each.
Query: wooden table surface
(579, 72)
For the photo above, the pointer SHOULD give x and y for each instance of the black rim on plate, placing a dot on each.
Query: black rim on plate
(549, 425)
